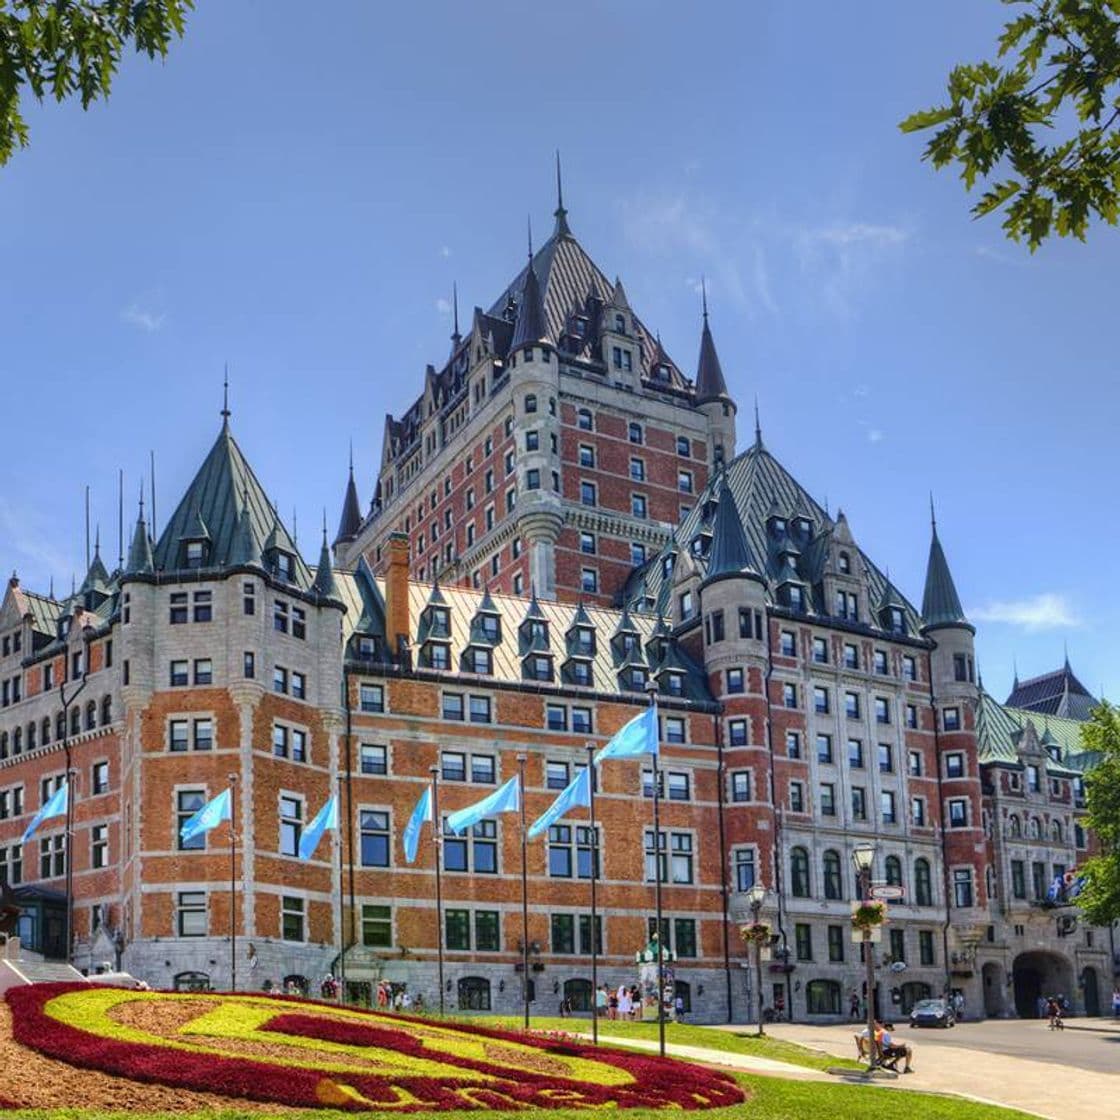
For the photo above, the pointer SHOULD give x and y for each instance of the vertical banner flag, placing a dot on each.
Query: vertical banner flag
(422, 813)
(209, 816)
(576, 793)
(505, 799)
(55, 807)
(638, 737)
(326, 817)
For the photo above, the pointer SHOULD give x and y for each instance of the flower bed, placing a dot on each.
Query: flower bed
(307, 1054)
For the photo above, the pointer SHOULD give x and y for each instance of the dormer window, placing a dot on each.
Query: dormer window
(897, 621)
(796, 597)
(538, 630)
(585, 641)
(674, 684)
(634, 678)
(804, 526)
(777, 526)
(195, 554)
(629, 644)
(491, 626)
(284, 566)
(667, 566)
(620, 323)
(844, 563)
(441, 622)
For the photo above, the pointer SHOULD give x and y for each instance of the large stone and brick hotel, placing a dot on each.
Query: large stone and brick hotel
(562, 520)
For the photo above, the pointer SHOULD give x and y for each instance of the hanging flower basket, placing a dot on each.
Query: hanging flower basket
(869, 915)
(757, 933)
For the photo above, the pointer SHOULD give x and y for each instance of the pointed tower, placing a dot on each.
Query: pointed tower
(535, 376)
(943, 621)
(140, 550)
(350, 523)
(713, 399)
(324, 585)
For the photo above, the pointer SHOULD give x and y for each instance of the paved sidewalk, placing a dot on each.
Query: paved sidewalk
(1101, 1026)
(1037, 1086)
(744, 1063)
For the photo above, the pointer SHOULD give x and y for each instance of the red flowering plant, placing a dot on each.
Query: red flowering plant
(312, 1054)
(756, 933)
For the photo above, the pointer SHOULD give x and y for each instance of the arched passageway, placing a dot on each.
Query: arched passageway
(1040, 974)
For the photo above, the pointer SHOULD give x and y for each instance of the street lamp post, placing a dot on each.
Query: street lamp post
(67, 701)
(755, 898)
(863, 856)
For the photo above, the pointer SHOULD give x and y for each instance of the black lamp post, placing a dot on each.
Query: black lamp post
(863, 856)
(755, 898)
(67, 701)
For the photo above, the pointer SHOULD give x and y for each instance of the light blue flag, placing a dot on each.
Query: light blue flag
(422, 813)
(55, 807)
(209, 816)
(326, 817)
(576, 793)
(638, 737)
(505, 799)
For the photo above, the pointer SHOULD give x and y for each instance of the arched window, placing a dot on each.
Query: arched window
(578, 994)
(799, 873)
(833, 884)
(3, 744)
(1013, 826)
(31, 736)
(474, 994)
(1032, 828)
(822, 997)
(91, 715)
(893, 868)
(923, 883)
(76, 721)
(45, 737)
(192, 982)
(1056, 831)
(990, 881)
(106, 710)
(17, 741)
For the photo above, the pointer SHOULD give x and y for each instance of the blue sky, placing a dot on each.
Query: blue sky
(295, 190)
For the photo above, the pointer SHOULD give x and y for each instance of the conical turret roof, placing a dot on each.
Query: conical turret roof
(350, 523)
(324, 584)
(710, 384)
(531, 326)
(140, 550)
(730, 553)
(941, 605)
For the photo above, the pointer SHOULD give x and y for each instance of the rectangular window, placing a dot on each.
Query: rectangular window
(291, 918)
(248, 665)
(279, 680)
(828, 799)
(912, 716)
(915, 763)
(100, 777)
(744, 869)
(178, 605)
(925, 947)
(280, 616)
(886, 758)
(180, 674)
(299, 623)
(99, 845)
(1018, 879)
(882, 710)
(637, 470)
(898, 944)
(787, 644)
(674, 731)
(851, 656)
(820, 651)
(187, 803)
(374, 758)
(587, 494)
(796, 797)
(453, 766)
(178, 735)
(377, 926)
(737, 732)
(859, 803)
(457, 929)
(881, 664)
(824, 748)
(741, 785)
(958, 812)
(374, 837)
(280, 746)
(951, 719)
(836, 943)
(851, 705)
(684, 936)
(909, 668)
(563, 933)
(299, 686)
(962, 887)
(793, 744)
(954, 765)
(203, 606)
(479, 709)
(803, 941)
(638, 505)
(820, 700)
(453, 707)
(886, 807)
(680, 787)
(203, 735)
(483, 769)
(918, 811)
(789, 695)
(735, 681)
(291, 825)
(191, 914)
(855, 754)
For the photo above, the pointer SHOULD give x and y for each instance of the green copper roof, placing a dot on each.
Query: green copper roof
(730, 553)
(224, 485)
(941, 605)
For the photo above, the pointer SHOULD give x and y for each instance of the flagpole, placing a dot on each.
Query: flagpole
(232, 883)
(341, 912)
(652, 690)
(594, 895)
(521, 760)
(437, 836)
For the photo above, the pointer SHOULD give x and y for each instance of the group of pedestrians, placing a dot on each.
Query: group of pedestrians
(625, 1002)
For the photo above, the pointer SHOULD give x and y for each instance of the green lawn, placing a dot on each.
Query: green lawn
(773, 1099)
(686, 1034)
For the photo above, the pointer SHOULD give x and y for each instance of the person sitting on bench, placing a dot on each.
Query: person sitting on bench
(891, 1052)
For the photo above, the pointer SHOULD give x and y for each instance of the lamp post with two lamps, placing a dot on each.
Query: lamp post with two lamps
(756, 896)
(863, 856)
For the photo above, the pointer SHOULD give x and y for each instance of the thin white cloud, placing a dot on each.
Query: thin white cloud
(859, 233)
(443, 306)
(144, 319)
(1049, 610)
(838, 259)
(444, 251)
(875, 435)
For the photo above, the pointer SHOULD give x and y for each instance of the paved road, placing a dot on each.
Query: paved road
(1066, 1075)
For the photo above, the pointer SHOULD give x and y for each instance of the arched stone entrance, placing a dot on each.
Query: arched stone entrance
(1039, 973)
(995, 990)
(1092, 991)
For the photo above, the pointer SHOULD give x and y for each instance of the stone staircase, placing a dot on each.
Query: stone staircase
(20, 972)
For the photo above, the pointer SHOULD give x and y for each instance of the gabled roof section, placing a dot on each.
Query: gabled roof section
(224, 484)
(941, 605)
(1002, 733)
(1059, 693)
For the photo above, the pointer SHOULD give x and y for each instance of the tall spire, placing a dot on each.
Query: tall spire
(757, 426)
(456, 337)
(225, 398)
(710, 384)
(324, 575)
(350, 523)
(730, 553)
(140, 550)
(941, 605)
(561, 214)
(531, 326)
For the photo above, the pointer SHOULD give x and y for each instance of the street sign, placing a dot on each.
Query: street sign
(888, 892)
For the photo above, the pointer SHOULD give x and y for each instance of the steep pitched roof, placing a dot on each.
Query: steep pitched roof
(710, 384)
(758, 482)
(730, 554)
(224, 483)
(1059, 693)
(1000, 735)
(941, 605)
(532, 325)
(350, 523)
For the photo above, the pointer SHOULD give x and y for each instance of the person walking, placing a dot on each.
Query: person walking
(601, 1001)
(853, 1005)
(1116, 1002)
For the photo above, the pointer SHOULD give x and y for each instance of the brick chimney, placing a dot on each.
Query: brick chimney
(396, 593)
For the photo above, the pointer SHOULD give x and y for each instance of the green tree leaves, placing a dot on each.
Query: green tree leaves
(73, 47)
(1049, 113)
(1100, 899)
